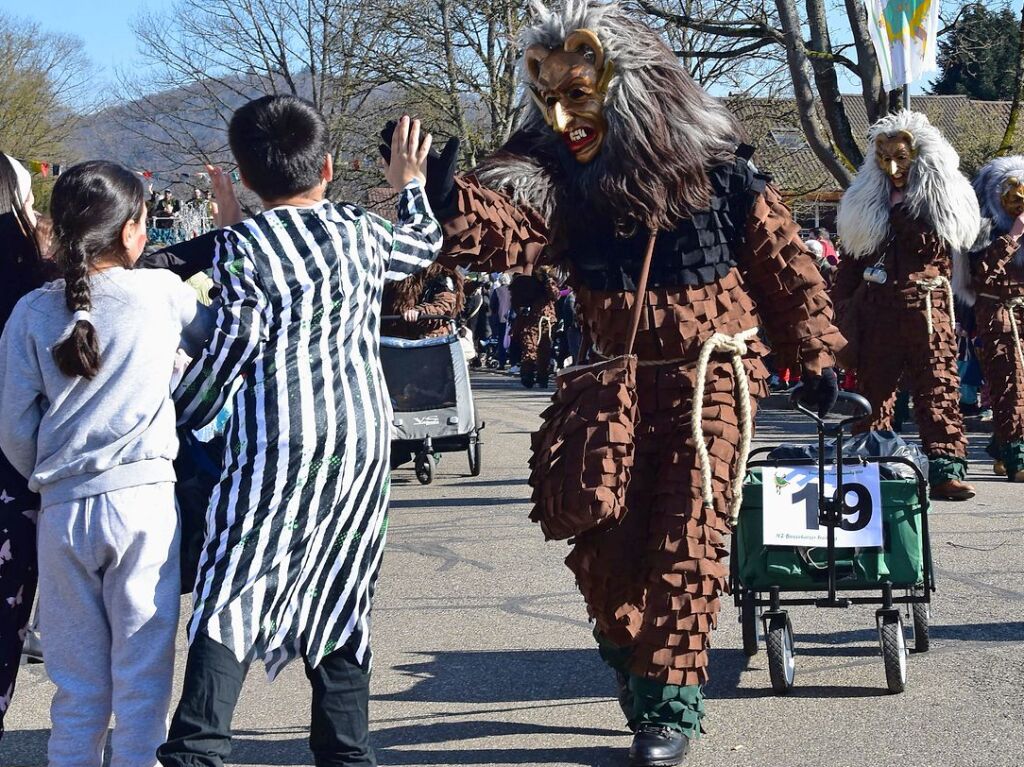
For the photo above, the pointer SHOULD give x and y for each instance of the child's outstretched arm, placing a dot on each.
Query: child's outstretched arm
(415, 241)
(21, 395)
(238, 334)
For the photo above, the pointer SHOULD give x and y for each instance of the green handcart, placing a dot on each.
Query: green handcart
(776, 577)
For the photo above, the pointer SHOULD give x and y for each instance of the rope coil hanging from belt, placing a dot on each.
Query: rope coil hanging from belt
(929, 284)
(736, 347)
(1011, 305)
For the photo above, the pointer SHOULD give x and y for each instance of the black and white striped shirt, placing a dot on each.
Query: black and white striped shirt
(296, 526)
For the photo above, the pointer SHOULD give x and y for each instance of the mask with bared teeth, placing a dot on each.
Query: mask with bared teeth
(569, 86)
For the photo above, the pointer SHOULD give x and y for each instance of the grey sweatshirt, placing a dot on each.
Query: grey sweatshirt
(72, 437)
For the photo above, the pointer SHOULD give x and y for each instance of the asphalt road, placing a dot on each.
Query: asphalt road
(484, 656)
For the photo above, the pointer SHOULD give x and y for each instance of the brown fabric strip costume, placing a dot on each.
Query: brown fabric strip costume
(534, 328)
(998, 280)
(893, 345)
(413, 292)
(653, 582)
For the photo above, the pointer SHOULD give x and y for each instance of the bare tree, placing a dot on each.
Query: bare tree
(756, 67)
(814, 62)
(44, 77)
(210, 56)
(456, 61)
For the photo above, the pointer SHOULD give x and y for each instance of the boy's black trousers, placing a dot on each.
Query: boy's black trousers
(200, 734)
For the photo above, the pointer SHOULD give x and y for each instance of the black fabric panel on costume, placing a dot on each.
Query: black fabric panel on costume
(699, 251)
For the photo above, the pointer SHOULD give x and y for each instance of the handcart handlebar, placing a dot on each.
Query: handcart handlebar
(444, 317)
(853, 406)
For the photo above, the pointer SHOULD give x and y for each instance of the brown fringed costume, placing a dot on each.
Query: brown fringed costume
(653, 582)
(906, 224)
(997, 271)
(533, 300)
(891, 343)
(436, 291)
(574, 188)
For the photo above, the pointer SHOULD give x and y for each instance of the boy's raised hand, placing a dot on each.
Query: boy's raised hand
(228, 211)
(408, 154)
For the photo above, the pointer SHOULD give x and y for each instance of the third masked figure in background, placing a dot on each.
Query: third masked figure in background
(997, 292)
(907, 223)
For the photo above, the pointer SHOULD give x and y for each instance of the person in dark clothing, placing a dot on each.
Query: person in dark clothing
(23, 271)
(568, 327)
(434, 292)
(533, 300)
(164, 210)
(474, 316)
(501, 305)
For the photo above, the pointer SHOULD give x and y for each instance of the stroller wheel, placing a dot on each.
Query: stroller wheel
(748, 621)
(424, 469)
(475, 457)
(922, 615)
(894, 651)
(781, 654)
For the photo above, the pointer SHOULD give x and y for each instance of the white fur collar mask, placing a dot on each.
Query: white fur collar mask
(936, 191)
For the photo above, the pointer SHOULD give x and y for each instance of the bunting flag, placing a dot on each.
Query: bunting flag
(904, 34)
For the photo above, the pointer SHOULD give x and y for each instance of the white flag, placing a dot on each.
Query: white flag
(904, 33)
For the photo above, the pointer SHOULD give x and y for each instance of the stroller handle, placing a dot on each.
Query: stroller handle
(853, 406)
(444, 317)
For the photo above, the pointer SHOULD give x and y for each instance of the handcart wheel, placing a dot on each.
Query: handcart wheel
(748, 621)
(424, 468)
(781, 654)
(922, 614)
(894, 651)
(475, 458)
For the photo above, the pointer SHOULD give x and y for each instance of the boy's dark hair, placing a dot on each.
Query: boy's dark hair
(90, 205)
(279, 143)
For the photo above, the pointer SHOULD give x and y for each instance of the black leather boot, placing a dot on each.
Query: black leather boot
(655, 745)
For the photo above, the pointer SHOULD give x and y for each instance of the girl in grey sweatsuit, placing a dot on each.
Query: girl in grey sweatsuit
(86, 365)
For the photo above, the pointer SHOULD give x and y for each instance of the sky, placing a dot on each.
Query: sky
(103, 25)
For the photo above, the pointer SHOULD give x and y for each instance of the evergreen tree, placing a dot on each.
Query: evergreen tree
(979, 55)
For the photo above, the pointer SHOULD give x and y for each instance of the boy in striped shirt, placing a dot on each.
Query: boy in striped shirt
(296, 525)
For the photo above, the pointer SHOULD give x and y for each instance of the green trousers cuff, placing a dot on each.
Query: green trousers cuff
(1012, 454)
(994, 450)
(668, 705)
(943, 468)
(617, 658)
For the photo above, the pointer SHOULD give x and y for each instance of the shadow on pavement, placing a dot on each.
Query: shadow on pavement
(444, 503)
(1006, 631)
(728, 664)
(391, 746)
(24, 748)
(504, 677)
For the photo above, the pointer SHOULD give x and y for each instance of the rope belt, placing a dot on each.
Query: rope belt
(1011, 304)
(736, 346)
(931, 284)
(540, 327)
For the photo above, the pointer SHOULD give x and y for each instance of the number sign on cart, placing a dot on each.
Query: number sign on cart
(790, 502)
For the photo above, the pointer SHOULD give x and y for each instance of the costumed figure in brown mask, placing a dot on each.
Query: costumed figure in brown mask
(620, 154)
(907, 224)
(997, 293)
(533, 300)
(434, 292)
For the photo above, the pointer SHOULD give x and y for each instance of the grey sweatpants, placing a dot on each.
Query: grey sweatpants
(108, 612)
